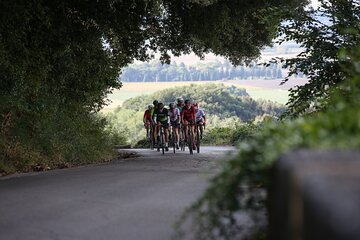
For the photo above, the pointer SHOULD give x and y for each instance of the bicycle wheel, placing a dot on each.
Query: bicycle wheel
(197, 139)
(158, 140)
(173, 139)
(162, 141)
(190, 143)
(151, 138)
(183, 140)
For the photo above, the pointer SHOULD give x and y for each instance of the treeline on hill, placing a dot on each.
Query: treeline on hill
(227, 108)
(157, 72)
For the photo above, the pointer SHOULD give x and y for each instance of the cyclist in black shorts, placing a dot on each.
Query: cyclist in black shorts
(161, 118)
(175, 122)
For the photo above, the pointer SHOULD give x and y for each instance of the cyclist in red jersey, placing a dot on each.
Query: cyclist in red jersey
(188, 119)
(147, 119)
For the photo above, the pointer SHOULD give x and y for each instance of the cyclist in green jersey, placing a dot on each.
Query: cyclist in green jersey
(161, 119)
(155, 102)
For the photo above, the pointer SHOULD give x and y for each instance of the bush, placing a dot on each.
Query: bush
(217, 209)
(230, 135)
(237, 187)
(143, 143)
(245, 131)
(71, 140)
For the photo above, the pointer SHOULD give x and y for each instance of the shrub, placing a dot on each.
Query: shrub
(236, 188)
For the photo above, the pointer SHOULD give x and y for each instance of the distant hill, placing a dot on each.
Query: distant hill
(216, 69)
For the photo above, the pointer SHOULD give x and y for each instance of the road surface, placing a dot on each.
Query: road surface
(132, 199)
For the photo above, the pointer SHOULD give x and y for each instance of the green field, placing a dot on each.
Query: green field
(133, 89)
(276, 95)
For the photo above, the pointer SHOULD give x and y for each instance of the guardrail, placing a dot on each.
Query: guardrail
(316, 196)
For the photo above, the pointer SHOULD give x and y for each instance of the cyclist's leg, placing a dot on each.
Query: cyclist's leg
(193, 133)
(201, 127)
(186, 123)
(147, 127)
(166, 130)
(176, 133)
(157, 131)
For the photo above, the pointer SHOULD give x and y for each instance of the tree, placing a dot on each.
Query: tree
(323, 33)
(333, 88)
(59, 59)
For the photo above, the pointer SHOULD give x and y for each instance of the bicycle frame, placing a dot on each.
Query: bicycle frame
(161, 144)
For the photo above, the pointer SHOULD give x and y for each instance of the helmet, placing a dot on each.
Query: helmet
(155, 102)
(180, 100)
(150, 106)
(160, 105)
(172, 105)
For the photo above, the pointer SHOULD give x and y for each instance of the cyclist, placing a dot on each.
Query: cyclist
(161, 119)
(188, 119)
(200, 118)
(174, 113)
(155, 103)
(148, 120)
(180, 104)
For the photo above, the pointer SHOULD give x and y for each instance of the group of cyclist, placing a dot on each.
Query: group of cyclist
(182, 113)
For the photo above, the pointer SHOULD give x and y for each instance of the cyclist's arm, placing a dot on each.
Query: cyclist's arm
(178, 115)
(154, 118)
(144, 118)
(204, 117)
(182, 117)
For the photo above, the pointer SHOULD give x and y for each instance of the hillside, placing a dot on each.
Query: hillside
(217, 99)
(224, 105)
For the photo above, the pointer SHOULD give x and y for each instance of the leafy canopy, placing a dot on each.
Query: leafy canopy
(324, 34)
(58, 60)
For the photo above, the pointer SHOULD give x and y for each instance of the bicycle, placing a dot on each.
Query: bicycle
(182, 138)
(190, 139)
(172, 138)
(161, 143)
(151, 137)
(197, 138)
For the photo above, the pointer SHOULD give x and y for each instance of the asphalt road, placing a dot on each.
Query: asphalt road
(132, 199)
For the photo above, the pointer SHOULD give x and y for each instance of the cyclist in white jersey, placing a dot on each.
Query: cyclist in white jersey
(174, 113)
(200, 117)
